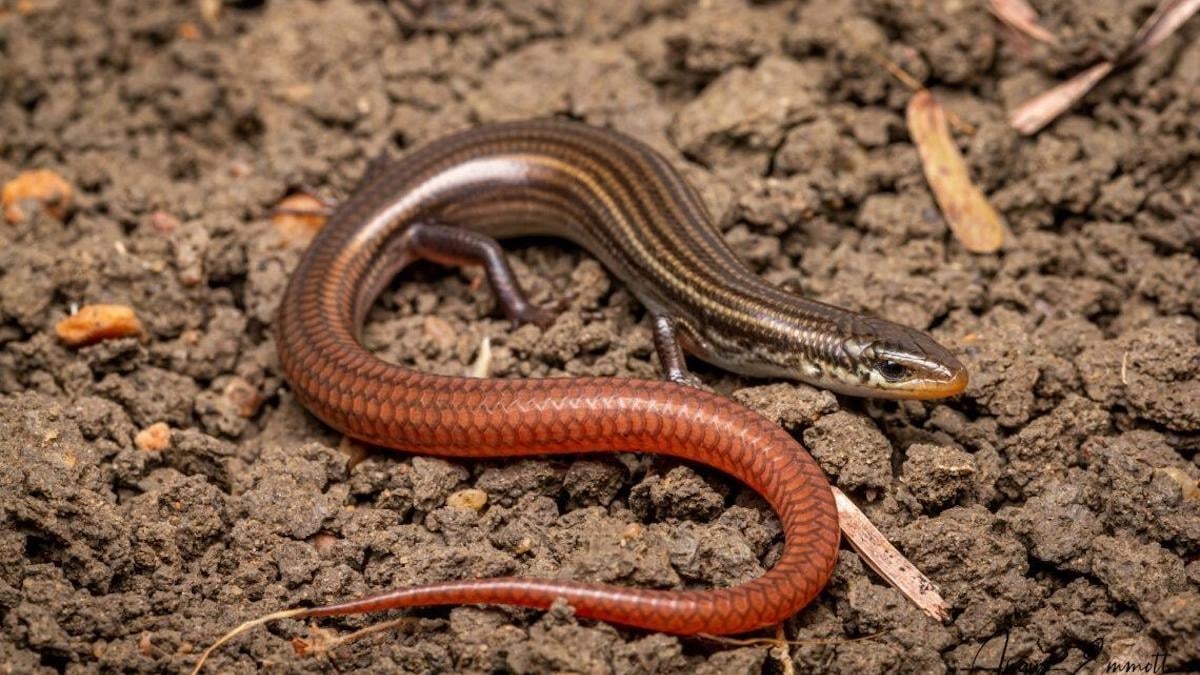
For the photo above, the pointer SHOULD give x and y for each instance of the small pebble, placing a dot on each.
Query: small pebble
(298, 92)
(298, 218)
(40, 185)
(356, 452)
(240, 169)
(1187, 484)
(323, 541)
(470, 498)
(440, 332)
(154, 438)
(243, 395)
(96, 323)
(163, 221)
(188, 31)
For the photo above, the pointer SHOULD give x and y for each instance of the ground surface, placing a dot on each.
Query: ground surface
(1054, 503)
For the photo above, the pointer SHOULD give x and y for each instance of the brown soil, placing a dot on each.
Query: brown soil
(1053, 503)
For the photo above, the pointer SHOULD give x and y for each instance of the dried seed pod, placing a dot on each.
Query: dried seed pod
(971, 217)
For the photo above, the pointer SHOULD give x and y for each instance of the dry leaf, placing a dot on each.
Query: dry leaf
(1023, 18)
(40, 185)
(972, 219)
(95, 323)
(1040, 110)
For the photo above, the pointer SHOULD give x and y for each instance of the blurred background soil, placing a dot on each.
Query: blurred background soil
(1054, 503)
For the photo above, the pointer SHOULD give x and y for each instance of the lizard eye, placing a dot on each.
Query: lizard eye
(891, 371)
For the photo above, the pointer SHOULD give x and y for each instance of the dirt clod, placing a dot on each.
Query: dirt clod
(1053, 502)
(938, 474)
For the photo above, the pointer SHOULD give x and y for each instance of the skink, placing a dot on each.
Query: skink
(449, 202)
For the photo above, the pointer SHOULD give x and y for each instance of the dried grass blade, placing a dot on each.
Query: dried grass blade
(1166, 19)
(1023, 18)
(879, 553)
(1040, 110)
(972, 219)
(1037, 112)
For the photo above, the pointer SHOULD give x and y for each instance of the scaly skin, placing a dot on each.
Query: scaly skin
(627, 206)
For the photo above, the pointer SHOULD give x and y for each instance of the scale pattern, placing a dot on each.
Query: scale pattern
(352, 390)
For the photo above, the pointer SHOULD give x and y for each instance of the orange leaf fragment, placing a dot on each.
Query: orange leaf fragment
(95, 323)
(972, 219)
(298, 218)
(40, 185)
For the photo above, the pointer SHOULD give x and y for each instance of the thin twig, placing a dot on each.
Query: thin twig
(897, 72)
(286, 614)
(782, 651)
(1021, 17)
(331, 645)
(1166, 19)
(879, 553)
(1037, 112)
(960, 125)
